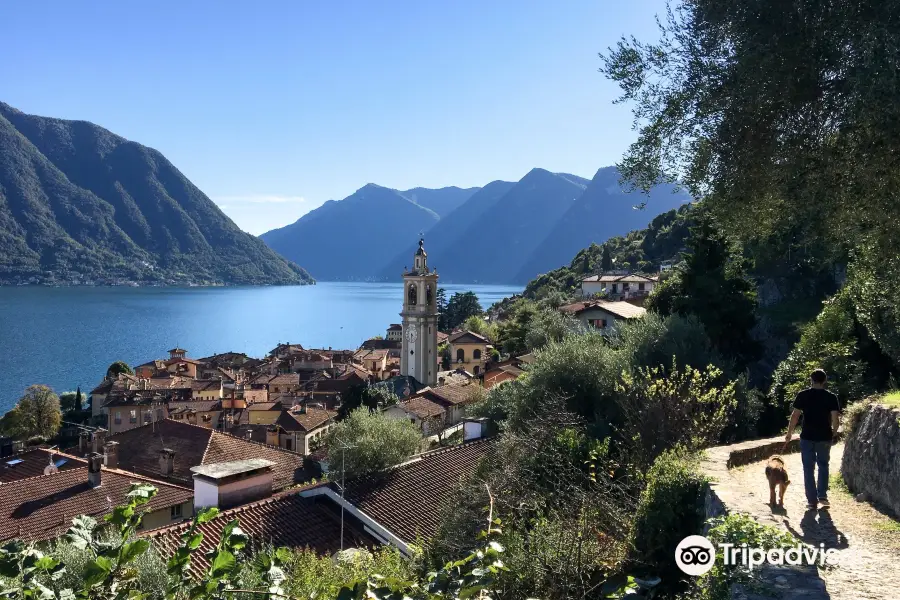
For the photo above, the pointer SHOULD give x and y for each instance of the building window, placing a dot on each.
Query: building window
(118, 418)
(289, 444)
(476, 354)
(147, 416)
(602, 323)
(626, 287)
(641, 287)
(175, 511)
(615, 288)
(461, 355)
(132, 418)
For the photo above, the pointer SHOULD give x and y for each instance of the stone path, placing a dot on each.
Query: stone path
(868, 542)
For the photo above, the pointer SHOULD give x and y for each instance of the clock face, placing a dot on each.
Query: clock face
(411, 333)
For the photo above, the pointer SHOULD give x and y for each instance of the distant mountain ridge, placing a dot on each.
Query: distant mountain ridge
(506, 232)
(352, 238)
(79, 204)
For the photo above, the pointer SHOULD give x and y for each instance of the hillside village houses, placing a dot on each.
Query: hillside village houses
(618, 286)
(602, 314)
(240, 433)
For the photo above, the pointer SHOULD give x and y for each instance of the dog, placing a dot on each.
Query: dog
(778, 478)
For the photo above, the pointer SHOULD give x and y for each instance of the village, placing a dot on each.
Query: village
(247, 435)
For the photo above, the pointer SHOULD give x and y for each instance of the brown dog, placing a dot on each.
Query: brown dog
(778, 478)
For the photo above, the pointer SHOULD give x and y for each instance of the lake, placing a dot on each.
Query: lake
(66, 337)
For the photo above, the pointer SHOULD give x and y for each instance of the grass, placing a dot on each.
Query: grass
(892, 399)
(836, 482)
(889, 526)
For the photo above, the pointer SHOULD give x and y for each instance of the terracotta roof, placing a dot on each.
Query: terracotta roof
(468, 337)
(307, 421)
(32, 463)
(611, 278)
(199, 385)
(371, 354)
(287, 519)
(409, 499)
(139, 450)
(422, 407)
(197, 406)
(374, 344)
(42, 508)
(624, 310)
(442, 337)
(450, 394)
(526, 358)
(285, 379)
(264, 406)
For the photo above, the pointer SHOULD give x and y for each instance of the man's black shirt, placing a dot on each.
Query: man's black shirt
(817, 406)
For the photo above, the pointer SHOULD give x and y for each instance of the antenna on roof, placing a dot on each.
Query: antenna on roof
(344, 447)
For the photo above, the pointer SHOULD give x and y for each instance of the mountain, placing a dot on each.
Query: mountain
(603, 211)
(81, 204)
(353, 238)
(443, 201)
(448, 231)
(496, 244)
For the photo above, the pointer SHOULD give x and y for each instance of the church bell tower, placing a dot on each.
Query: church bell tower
(419, 354)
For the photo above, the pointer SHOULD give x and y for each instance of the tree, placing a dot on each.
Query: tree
(460, 307)
(512, 331)
(36, 414)
(119, 368)
(372, 397)
(441, 304)
(773, 122)
(712, 286)
(606, 263)
(368, 442)
(478, 325)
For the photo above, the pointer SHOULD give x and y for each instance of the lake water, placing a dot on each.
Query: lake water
(66, 337)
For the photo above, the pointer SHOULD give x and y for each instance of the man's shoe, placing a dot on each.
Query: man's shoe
(824, 502)
(811, 507)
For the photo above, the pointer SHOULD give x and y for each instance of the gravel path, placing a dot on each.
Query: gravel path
(868, 542)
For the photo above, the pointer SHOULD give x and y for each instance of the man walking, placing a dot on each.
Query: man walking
(821, 417)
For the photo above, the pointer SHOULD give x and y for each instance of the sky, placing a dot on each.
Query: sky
(272, 108)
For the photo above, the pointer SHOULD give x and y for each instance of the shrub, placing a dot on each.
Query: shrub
(661, 410)
(854, 413)
(670, 508)
(736, 529)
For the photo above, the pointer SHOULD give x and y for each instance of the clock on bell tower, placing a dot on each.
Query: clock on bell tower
(418, 356)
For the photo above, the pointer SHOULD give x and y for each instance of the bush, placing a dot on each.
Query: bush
(832, 342)
(737, 529)
(661, 410)
(670, 508)
(368, 442)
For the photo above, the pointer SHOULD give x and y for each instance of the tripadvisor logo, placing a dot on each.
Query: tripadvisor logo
(695, 555)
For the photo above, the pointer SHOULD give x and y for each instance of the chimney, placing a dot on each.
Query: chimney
(83, 443)
(111, 455)
(98, 438)
(95, 467)
(272, 436)
(228, 484)
(166, 462)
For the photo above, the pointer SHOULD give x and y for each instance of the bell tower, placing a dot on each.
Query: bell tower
(419, 355)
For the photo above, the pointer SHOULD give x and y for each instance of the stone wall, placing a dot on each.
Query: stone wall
(871, 463)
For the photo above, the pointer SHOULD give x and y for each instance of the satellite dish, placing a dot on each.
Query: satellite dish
(51, 470)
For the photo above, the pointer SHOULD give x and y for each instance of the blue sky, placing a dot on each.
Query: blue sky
(272, 108)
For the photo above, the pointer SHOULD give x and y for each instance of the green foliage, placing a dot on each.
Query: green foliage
(440, 300)
(833, 342)
(36, 414)
(737, 529)
(460, 307)
(670, 508)
(640, 251)
(513, 329)
(372, 397)
(368, 442)
(874, 284)
(710, 285)
(719, 71)
(666, 408)
(476, 324)
(75, 213)
(119, 367)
